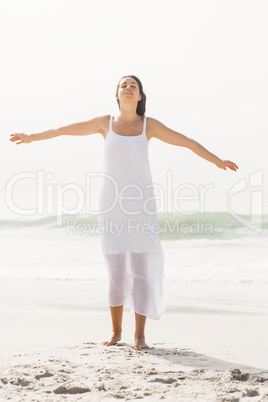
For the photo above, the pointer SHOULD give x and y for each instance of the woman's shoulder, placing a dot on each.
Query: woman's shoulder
(103, 122)
(152, 120)
(151, 126)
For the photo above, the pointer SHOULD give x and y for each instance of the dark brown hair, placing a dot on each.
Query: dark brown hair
(141, 106)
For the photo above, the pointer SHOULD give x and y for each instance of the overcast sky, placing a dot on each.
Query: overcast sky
(203, 65)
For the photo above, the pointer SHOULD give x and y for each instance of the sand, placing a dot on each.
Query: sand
(55, 356)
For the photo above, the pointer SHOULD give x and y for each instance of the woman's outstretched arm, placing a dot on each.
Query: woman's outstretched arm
(93, 126)
(158, 130)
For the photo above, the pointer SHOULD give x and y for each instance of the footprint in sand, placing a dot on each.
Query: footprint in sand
(250, 393)
(164, 381)
(46, 374)
(72, 390)
(20, 381)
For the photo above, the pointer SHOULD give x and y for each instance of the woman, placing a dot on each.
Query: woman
(131, 246)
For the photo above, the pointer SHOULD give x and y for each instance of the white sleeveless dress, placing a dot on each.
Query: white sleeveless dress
(129, 229)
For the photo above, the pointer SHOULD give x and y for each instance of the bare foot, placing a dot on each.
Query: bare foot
(112, 339)
(140, 344)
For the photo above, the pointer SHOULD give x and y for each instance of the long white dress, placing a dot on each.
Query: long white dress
(129, 229)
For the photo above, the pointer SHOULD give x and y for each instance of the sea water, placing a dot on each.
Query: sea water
(213, 263)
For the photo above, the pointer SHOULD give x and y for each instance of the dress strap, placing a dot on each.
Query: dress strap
(144, 125)
(111, 119)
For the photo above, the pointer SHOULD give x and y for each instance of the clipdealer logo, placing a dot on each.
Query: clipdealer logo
(50, 197)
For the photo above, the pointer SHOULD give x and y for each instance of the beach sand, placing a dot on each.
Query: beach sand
(55, 356)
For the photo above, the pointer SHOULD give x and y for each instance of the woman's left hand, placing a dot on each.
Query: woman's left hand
(227, 164)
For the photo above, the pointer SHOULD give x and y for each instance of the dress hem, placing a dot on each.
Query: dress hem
(132, 311)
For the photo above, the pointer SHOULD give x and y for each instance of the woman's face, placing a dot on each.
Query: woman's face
(128, 91)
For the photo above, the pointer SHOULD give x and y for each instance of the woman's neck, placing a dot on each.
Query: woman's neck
(128, 114)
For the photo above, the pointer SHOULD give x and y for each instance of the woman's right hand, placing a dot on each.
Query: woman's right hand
(23, 138)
